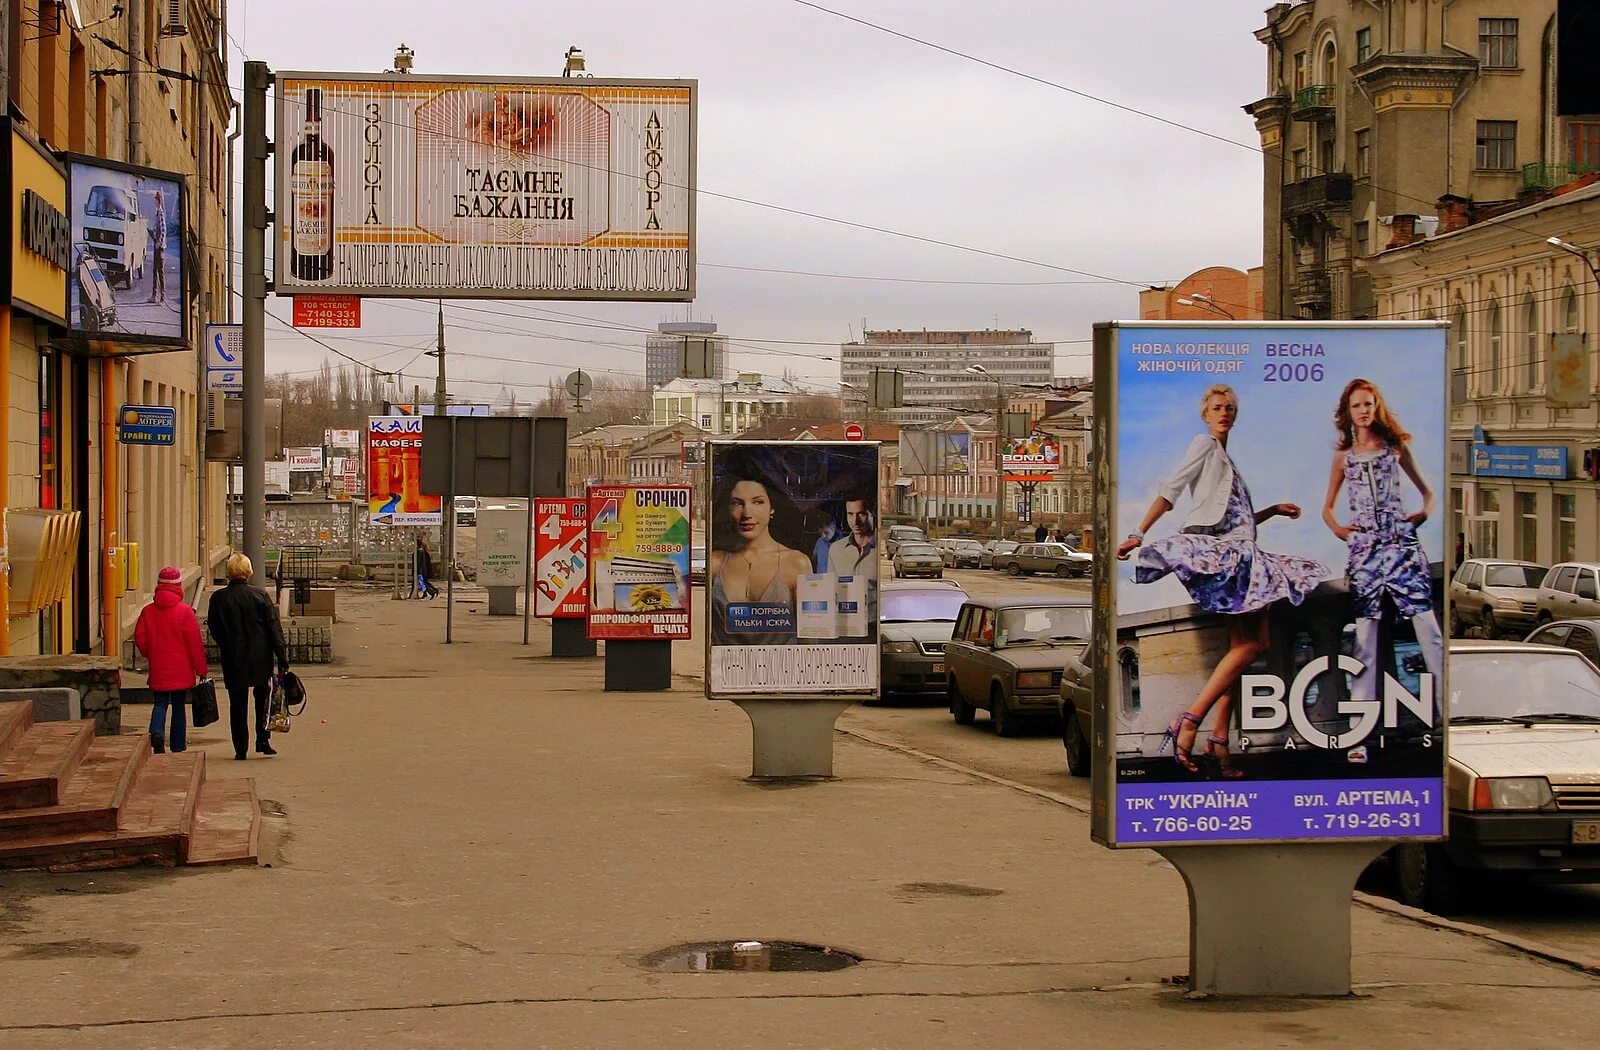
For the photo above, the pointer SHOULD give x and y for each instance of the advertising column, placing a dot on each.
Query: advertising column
(394, 474)
(561, 558)
(792, 570)
(639, 562)
(1269, 655)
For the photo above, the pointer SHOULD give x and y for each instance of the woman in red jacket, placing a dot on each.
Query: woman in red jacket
(169, 636)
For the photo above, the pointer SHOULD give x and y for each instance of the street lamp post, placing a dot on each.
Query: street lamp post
(1205, 302)
(999, 454)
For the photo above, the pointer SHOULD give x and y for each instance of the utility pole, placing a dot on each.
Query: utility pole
(999, 460)
(257, 82)
(447, 513)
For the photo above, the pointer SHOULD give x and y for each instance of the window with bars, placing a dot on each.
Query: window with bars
(1497, 145)
(1497, 43)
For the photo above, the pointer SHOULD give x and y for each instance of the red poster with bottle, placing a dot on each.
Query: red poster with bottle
(561, 558)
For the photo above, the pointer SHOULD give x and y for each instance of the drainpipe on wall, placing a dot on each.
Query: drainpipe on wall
(5, 473)
(135, 13)
(109, 594)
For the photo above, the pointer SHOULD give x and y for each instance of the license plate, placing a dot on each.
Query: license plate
(938, 668)
(1586, 831)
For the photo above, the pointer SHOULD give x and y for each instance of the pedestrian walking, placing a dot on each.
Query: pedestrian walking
(1040, 533)
(425, 587)
(244, 623)
(158, 241)
(169, 636)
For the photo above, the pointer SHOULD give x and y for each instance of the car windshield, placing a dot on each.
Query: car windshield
(1004, 546)
(967, 545)
(1507, 686)
(1055, 548)
(105, 203)
(939, 605)
(910, 549)
(1513, 576)
(1043, 626)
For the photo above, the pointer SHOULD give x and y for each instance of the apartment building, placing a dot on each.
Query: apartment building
(664, 349)
(949, 372)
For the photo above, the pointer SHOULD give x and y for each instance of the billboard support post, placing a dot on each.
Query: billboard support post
(1242, 898)
(258, 81)
(791, 739)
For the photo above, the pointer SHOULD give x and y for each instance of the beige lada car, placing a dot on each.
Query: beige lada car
(1524, 775)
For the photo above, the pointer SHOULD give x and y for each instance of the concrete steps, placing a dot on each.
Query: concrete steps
(70, 802)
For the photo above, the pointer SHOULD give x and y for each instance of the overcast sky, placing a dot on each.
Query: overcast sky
(809, 111)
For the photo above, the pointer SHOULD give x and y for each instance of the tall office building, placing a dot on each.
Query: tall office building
(663, 347)
(935, 367)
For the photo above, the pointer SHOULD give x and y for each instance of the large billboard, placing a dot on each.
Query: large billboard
(128, 269)
(394, 474)
(792, 570)
(931, 452)
(639, 538)
(536, 188)
(1269, 654)
(1037, 453)
(561, 558)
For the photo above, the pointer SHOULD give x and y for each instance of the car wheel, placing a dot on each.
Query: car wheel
(1073, 740)
(1490, 628)
(1456, 626)
(1064, 571)
(1005, 723)
(1014, 569)
(964, 713)
(1429, 879)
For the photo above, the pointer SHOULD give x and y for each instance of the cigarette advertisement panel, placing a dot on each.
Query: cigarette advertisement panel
(128, 267)
(394, 474)
(1269, 649)
(561, 558)
(792, 570)
(534, 188)
(639, 562)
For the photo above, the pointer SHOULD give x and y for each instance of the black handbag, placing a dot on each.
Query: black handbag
(203, 698)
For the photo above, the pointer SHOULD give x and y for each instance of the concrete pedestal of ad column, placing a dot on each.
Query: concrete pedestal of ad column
(792, 738)
(1271, 919)
(570, 637)
(635, 666)
(502, 601)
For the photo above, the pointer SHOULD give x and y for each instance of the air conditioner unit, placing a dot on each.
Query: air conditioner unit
(216, 418)
(175, 18)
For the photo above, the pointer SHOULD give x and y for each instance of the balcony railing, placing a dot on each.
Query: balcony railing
(1314, 103)
(1318, 193)
(1549, 176)
(1313, 286)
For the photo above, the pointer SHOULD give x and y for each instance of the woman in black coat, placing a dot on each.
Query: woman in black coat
(244, 623)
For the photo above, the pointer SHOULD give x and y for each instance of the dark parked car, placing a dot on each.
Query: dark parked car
(1524, 747)
(992, 550)
(917, 559)
(1581, 636)
(1493, 593)
(1006, 657)
(1055, 558)
(899, 534)
(914, 628)
(962, 554)
(1076, 700)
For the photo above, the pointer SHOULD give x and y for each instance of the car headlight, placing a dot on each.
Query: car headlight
(116, 238)
(1033, 680)
(1508, 603)
(1512, 793)
(899, 647)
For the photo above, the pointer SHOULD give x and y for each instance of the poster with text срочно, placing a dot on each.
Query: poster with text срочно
(127, 281)
(1269, 657)
(505, 188)
(639, 562)
(561, 558)
(394, 474)
(792, 569)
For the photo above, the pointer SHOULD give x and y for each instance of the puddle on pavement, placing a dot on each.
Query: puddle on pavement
(749, 957)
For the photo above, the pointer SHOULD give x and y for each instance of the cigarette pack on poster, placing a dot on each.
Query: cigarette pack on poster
(850, 605)
(817, 618)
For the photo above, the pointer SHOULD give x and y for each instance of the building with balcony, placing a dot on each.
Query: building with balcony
(1376, 110)
(1524, 381)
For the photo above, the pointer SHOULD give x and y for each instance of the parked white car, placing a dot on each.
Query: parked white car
(1524, 776)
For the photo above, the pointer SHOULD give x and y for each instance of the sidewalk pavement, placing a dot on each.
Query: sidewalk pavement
(474, 845)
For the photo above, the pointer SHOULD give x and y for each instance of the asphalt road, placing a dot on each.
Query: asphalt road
(1566, 917)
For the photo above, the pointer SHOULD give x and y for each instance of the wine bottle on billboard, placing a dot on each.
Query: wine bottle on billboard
(311, 198)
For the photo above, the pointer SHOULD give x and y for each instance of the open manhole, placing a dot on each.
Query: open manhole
(749, 956)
